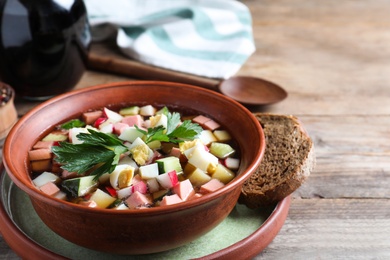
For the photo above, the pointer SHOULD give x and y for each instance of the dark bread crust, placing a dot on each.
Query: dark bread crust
(288, 160)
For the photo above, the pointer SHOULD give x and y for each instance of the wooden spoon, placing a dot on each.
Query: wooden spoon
(244, 89)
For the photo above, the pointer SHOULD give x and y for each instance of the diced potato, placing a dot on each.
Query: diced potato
(102, 199)
(207, 137)
(203, 160)
(222, 135)
(198, 177)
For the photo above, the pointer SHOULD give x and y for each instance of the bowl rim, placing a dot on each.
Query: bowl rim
(27, 186)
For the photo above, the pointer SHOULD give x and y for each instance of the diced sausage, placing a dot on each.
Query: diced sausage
(200, 119)
(137, 199)
(211, 125)
(133, 120)
(90, 117)
(41, 166)
(170, 200)
(211, 186)
(43, 145)
(39, 154)
(49, 188)
(184, 189)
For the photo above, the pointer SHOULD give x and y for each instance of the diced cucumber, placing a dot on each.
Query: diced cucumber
(80, 186)
(223, 174)
(168, 164)
(163, 110)
(158, 195)
(127, 111)
(56, 137)
(221, 150)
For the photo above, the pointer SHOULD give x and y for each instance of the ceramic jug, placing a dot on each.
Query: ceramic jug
(43, 46)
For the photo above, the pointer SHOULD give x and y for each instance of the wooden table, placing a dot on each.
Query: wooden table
(333, 58)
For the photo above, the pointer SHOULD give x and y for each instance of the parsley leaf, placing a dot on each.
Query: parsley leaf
(175, 132)
(99, 152)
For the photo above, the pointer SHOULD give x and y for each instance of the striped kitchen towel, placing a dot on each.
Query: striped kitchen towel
(211, 38)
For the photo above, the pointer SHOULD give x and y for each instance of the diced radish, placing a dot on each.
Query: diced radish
(147, 110)
(39, 154)
(114, 116)
(184, 189)
(125, 192)
(137, 199)
(99, 121)
(170, 200)
(133, 120)
(148, 171)
(137, 178)
(90, 117)
(49, 188)
(168, 180)
(153, 185)
(140, 187)
(231, 163)
(211, 186)
(111, 191)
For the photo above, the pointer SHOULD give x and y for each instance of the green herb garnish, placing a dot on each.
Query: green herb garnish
(100, 152)
(174, 133)
(73, 123)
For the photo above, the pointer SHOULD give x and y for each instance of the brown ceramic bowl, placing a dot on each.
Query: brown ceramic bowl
(134, 231)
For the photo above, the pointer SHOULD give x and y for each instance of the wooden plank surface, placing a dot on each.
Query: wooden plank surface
(333, 58)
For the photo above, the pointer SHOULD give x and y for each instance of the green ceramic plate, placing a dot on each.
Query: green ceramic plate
(20, 223)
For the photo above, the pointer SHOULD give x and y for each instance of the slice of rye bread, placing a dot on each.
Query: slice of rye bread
(288, 160)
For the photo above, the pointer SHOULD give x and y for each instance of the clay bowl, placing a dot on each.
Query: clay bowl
(134, 231)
